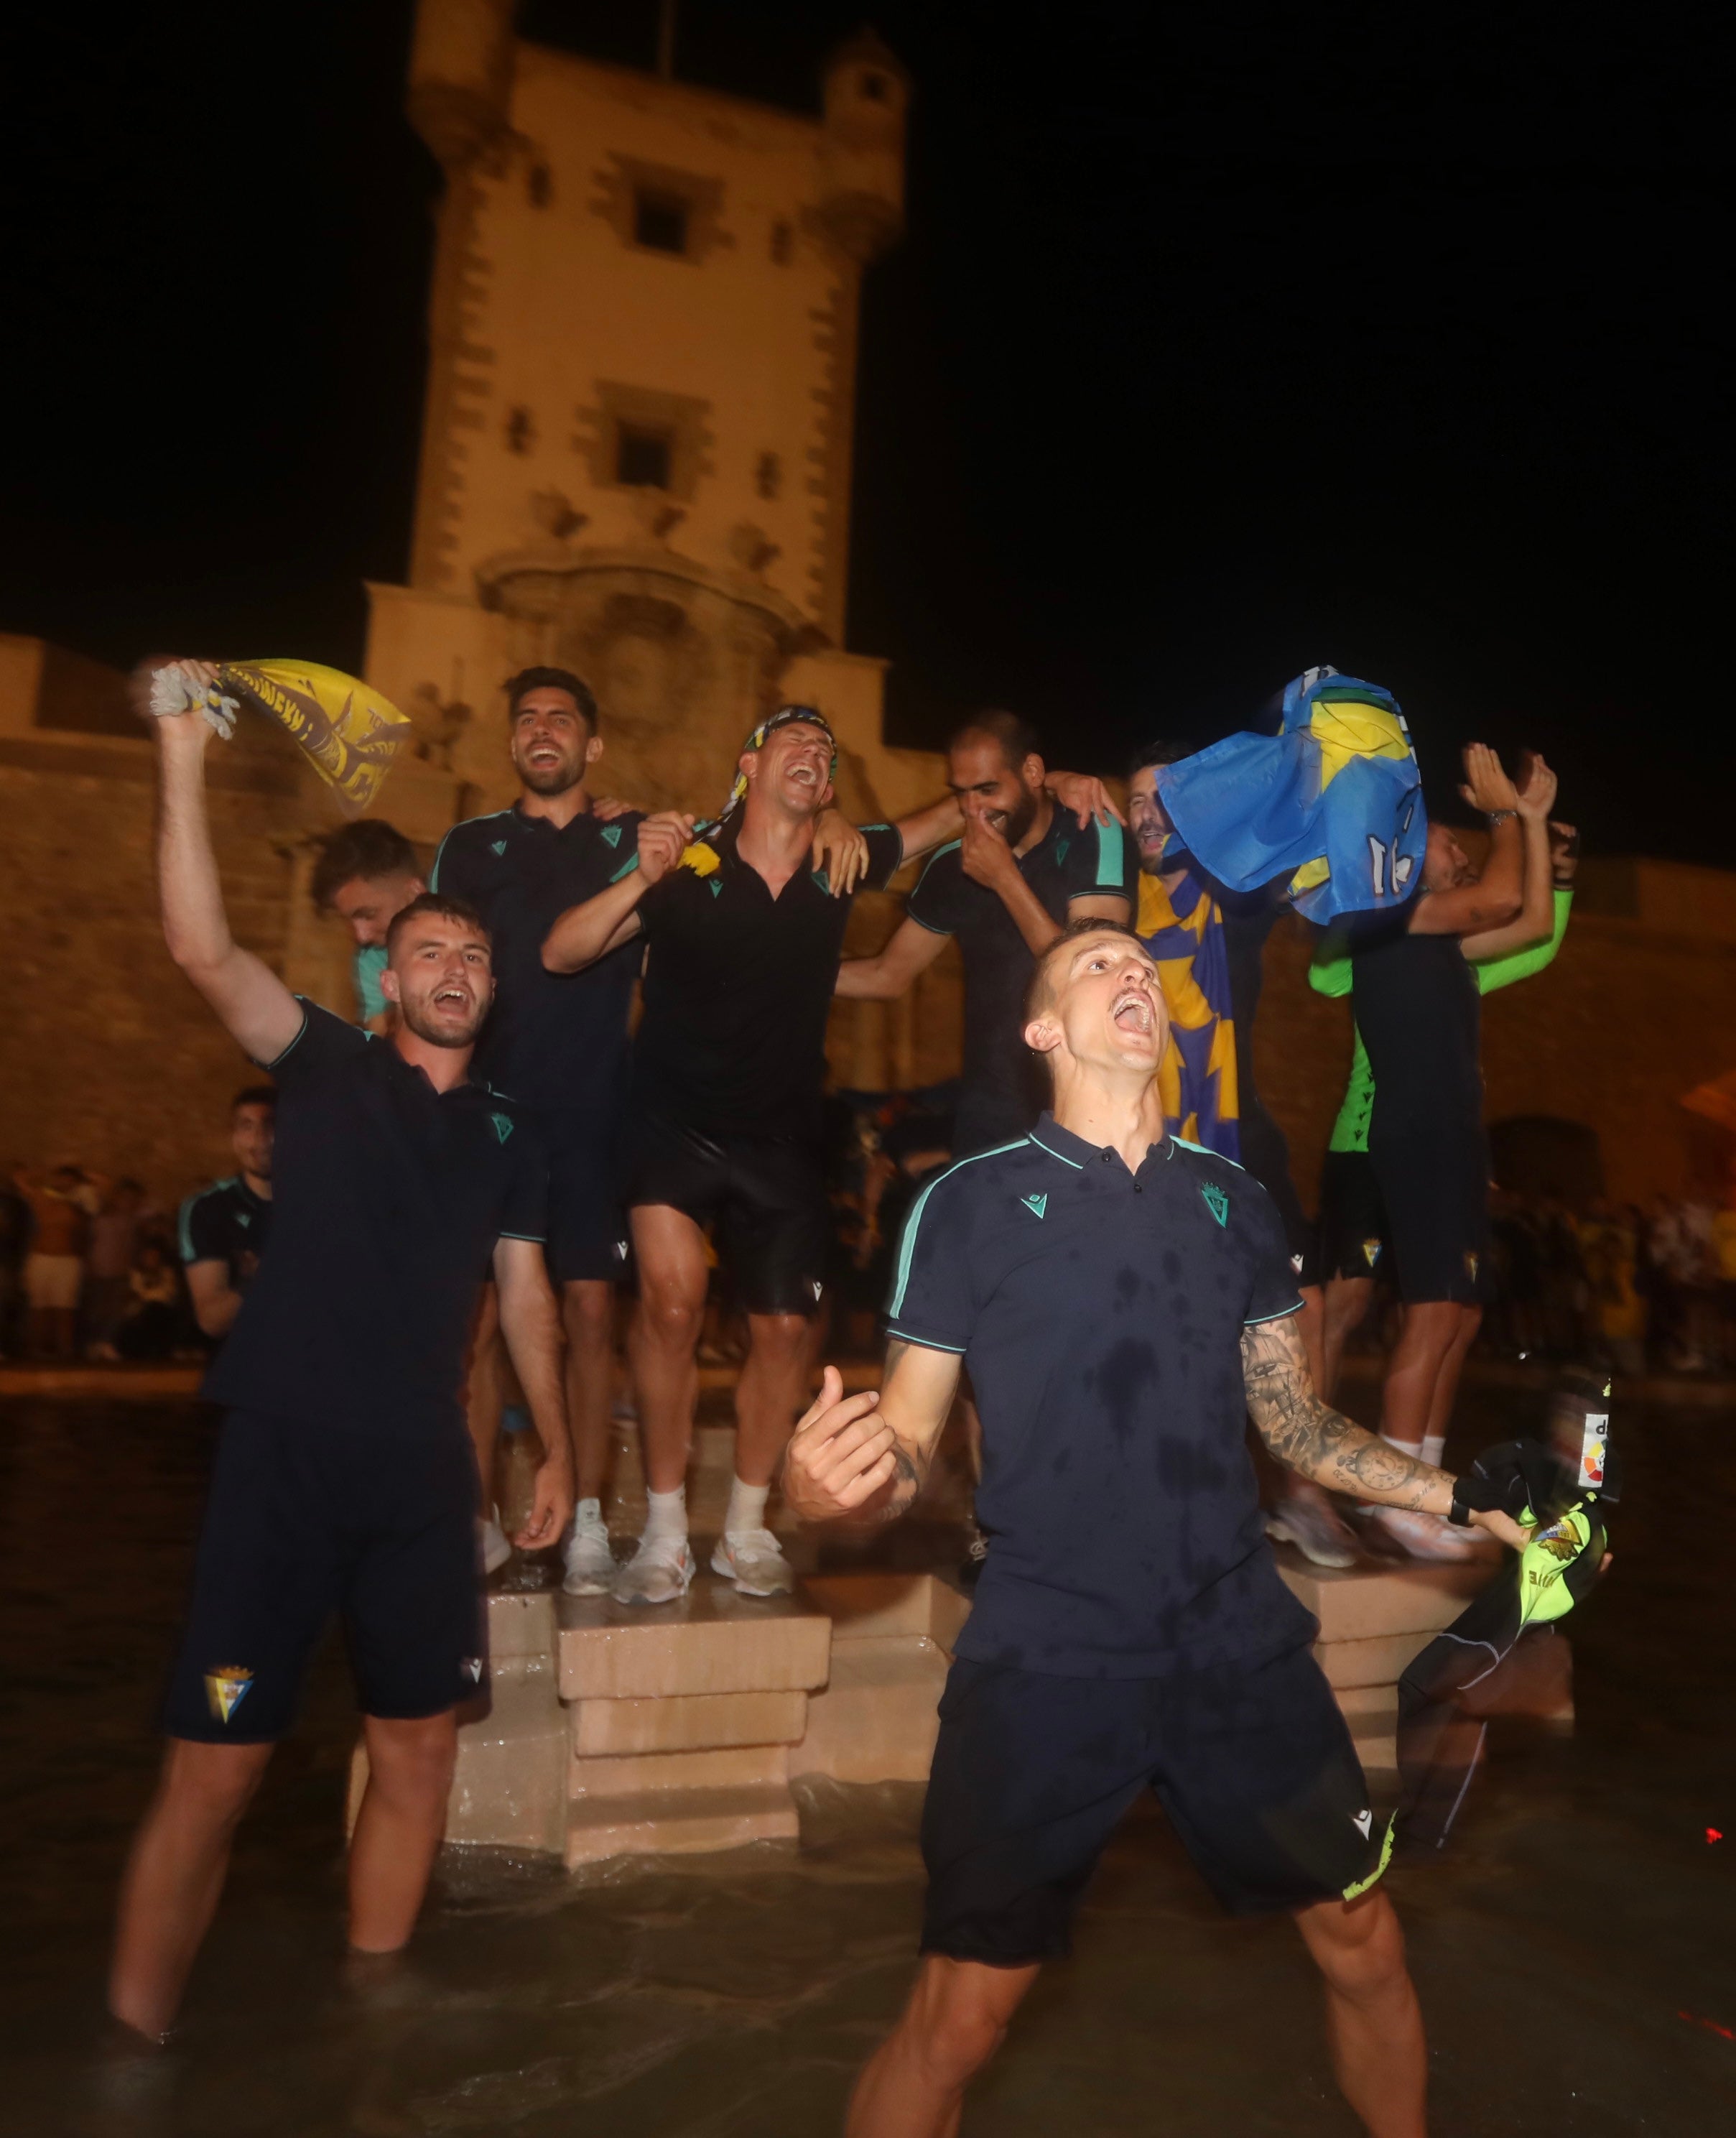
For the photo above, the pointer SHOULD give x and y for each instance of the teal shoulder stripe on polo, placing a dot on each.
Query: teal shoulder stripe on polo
(300, 1030)
(1283, 1314)
(1034, 1137)
(627, 868)
(439, 855)
(1205, 1153)
(939, 854)
(1111, 856)
(185, 1226)
(907, 1245)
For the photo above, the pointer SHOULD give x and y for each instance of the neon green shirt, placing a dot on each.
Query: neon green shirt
(1331, 975)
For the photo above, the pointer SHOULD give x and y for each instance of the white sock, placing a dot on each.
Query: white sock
(1434, 1445)
(747, 1508)
(587, 1515)
(667, 1515)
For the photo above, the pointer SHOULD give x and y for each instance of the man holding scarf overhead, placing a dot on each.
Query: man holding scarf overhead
(744, 938)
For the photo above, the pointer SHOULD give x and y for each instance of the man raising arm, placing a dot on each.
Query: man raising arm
(344, 1478)
(1121, 1301)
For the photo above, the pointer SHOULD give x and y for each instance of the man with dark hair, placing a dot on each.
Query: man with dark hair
(745, 936)
(558, 1043)
(366, 872)
(344, 1479)
(224, 1227)
(1123, 1301)
(1020, 870)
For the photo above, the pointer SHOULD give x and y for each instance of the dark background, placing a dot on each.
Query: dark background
(1224, 340)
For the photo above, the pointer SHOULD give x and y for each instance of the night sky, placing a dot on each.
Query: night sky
(1224, 340)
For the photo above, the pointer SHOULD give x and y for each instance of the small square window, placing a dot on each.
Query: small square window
(643, 457)
(660, 222)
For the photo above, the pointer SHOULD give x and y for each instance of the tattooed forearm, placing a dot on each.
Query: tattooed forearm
(1309, 1436)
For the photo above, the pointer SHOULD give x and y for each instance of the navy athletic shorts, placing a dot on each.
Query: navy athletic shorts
(1353, 1217)
(305, 1520)
(1435, 1185)
(1032, 1773)
(765, 1196)
(588, 1234)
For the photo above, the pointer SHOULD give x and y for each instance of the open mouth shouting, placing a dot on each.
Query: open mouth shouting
(1132, 1010)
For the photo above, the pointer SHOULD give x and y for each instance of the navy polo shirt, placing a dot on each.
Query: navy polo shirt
(1100, 1314)
(388, 1198)
(555, 1041)
(228, 1223)
(738, 989)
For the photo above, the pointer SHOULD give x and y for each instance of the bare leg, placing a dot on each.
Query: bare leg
(402, 1816)
(482, 1396)
(1446, 1381)
(770, 1395)
(587, 1308)
(671, 1258)
(1348, 1301)
(175, 1875)
(913, 2086)
(1426, 1336)
(1373, 2023)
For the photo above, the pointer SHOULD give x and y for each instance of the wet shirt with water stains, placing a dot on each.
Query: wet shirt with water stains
(1099, 1313)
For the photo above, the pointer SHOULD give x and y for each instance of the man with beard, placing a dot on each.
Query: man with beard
(1021, 871)
(224, 1227)
(344, 1479)
(743, 938)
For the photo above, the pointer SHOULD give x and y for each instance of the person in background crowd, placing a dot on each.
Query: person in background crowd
(114, 1239)
(54, 1269)
(367, 872)
(1610, 1248)
(224, 1227)
(147, 1328)
(15, 1226)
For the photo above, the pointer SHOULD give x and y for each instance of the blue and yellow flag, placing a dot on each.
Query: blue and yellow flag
(348, 732)
(1334, 798)
(1182, 928)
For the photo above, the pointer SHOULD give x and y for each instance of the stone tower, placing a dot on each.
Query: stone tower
(637, 443)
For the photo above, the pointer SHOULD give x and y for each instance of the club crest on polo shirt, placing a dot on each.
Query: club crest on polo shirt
(1036, 1204)
(1371, 1252)
(226, 1687)
(498, 847)
(611, 835)
(1215, 1201)
(503, 1124)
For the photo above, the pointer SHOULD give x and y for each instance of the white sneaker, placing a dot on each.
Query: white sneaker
(1424, 1537)
(495, 1549)
(1315, 1531)
(659, 1572)
(753, 1561)
(589, 1563)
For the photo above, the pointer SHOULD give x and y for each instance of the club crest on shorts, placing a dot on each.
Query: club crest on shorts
(226, 1687)
(1036, 1204)
(1295, 1263)
(1215, 1201)
(470, 1666)
(1473, 1263)
(1364, 1822)
(611, 835)
(1371, 1252)
(503, 1124)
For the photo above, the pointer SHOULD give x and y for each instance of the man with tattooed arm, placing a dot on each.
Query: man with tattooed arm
(1123, 1301)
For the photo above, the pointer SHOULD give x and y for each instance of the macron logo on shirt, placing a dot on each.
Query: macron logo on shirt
(503, 1125)
(1036, 1204)
(498, 847)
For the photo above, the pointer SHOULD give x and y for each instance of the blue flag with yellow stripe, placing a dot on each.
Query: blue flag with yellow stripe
(1182, 928)
(1334, 798)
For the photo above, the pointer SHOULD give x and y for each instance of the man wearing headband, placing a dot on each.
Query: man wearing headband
(744, 938)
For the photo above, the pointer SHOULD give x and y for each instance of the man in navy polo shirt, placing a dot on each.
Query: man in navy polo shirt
(1123, 1301)
(223, 1228)
(344, 1480)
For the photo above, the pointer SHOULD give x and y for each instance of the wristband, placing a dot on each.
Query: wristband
(1499, 817)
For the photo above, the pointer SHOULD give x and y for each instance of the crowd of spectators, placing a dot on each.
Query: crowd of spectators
(89, 1269)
